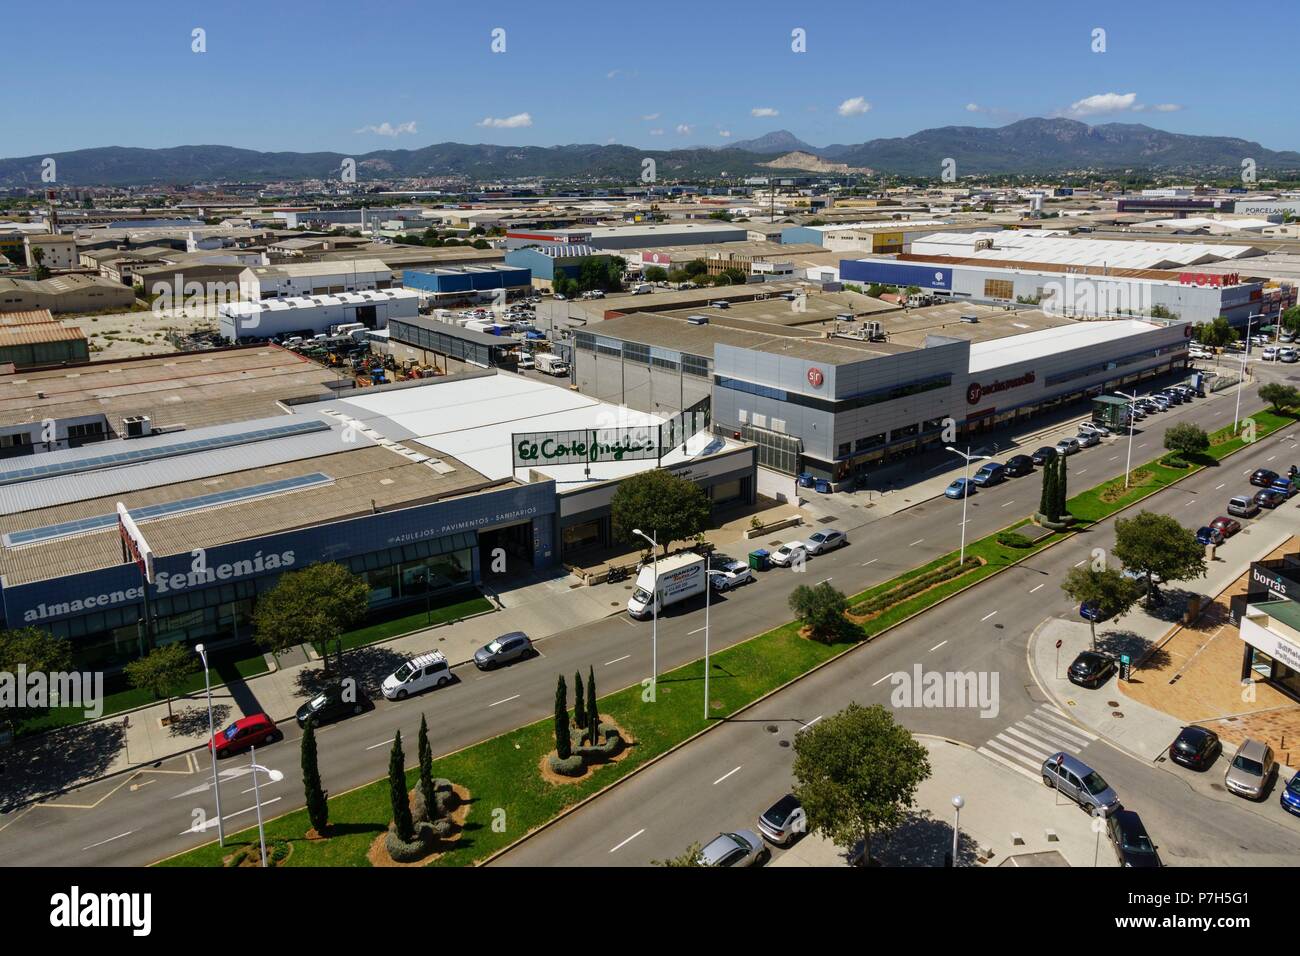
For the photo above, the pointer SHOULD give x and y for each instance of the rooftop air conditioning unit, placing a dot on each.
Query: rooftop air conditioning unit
(136, 426)
(875, 331)
(698, 319)
(845, 317)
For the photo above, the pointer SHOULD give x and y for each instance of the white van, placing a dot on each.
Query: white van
(416, 675)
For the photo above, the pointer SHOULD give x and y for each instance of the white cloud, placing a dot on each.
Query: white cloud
(854, 106)
(650, 117)
(1100, 103)
(764, 111)
(615, 74)
(684, 129)
(388, 129)
(1167, 107)
(656, 132)
(509, 122)
(974, 108)
(724, 133)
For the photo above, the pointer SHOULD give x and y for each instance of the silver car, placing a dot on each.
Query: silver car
(503, 650)
(741, 848)
(829, 539)
(1085, 786)
(1251, 770)
(1088, 439)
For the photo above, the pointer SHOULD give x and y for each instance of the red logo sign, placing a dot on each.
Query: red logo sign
(975, 391)
(1208, 279)
(815, 377)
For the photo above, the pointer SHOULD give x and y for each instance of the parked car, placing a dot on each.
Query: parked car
(828, 539)
(1195, 747)
(1137, 412)
(251, 731)
(1209, 535)
(1269, 353)
(1095, 428)
(343, 699)
(1251, 769)
(1085, 786)
(416, 675)
(1067, 446)
(1226, 526)
(1242, 506)
(1043, 455)
(1091, 669)
(960, 488)
(1129, 840)
(1269, 498)
(1162, 401)
(788, 553)
(783, 821)
(1018, 465)
(1087, 439)
(503, 650)
(1288, 355)
(731, 574)
(1284, 486)
(1090, 612)
(1290, 797)
(742, 848)
(990, 473)
(1263, 477)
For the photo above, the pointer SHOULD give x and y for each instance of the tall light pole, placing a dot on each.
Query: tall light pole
(654, 609)
(1241, 382)
(957, 803)
(1128, 461)
(965, 493)
(212, 734)
(708, 593)
(257, 797)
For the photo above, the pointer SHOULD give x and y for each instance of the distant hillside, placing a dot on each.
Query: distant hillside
(800, 159)
(1026, 146)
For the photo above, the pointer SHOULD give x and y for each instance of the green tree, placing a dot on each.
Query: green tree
(318, 806)
(317, 604)
(691, 857)
(579, 702)
(37, 651)
(1061, 488)
(1158, 547)
(162, 670)
(1279, 396)
(655, 274)
(1187, 440)
(425, 756)
(1047, 497)
(481, 244)
(39, 270)
(1108, 591)
(856, 774)
(402, 821)
(563, 744)
(1290, 319)
(667, 507)
(696, 267)
(593, 712)
(820, 608)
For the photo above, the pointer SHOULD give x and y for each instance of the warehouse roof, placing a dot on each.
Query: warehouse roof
(328, 268)
(1053, 341)
(1051, 246)
(364, 297)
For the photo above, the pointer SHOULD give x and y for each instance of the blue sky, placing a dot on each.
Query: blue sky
(355, 76)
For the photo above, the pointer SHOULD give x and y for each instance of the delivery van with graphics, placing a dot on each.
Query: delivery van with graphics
(680, 577)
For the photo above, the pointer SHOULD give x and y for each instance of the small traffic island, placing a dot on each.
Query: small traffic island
(277, 854)
(436, 829)
(881, 602)
(587, 756)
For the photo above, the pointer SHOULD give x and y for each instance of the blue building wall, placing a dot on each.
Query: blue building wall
(539, 265)
(443, 281)
(801, 234)
(895, 273)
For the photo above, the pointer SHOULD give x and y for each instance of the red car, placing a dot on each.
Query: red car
(1226, 526)
(244, 733)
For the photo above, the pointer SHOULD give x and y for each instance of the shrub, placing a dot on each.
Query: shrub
(571, 766)
(1010, 539)
(1174, 460)
(921, 582)
(403, 851)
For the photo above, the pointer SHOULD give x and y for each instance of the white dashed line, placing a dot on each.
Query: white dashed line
(936, 647)
(987, 616)
(506, 701)
(725, 776)
(1033, 589)
(916, 542)
(872, 561)
(627, 841)
(109, 840)
(617, 659)
(883, 679)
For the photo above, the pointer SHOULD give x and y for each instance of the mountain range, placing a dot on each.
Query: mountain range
(1027, 146)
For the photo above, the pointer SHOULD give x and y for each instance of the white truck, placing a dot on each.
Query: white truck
(551, 364)
(679, 577)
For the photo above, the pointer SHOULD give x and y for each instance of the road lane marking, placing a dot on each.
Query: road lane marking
(627, 841)
(725, 776)
(617, 659)
(1270, 458)
(933, 649)
(1115, 458)
(813, 721)
(1218, 487)
(1081, 562)
(916, 542)
(987, 616)
(1008, 503)
(384, 744)
(824, 581)
(209, 824)
(109, 840)
(883, 679)
(694, 632)
(872, 561)
(1033, 589)
(506, 701)
(1081, 471)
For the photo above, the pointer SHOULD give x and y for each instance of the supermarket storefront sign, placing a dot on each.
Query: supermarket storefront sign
(975, 391)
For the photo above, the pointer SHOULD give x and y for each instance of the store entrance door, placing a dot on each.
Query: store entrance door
(505, 550)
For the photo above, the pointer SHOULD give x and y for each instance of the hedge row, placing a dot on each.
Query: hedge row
(900, 593)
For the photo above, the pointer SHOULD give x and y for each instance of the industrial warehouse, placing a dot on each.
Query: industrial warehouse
(237, 465)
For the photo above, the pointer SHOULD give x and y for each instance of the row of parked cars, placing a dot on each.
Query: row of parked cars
(1249, 774)
(1275, 490)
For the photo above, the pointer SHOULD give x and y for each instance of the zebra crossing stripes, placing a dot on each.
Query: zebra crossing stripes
(1024, 745)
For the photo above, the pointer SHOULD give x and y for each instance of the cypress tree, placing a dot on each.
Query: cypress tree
(593, 714)
(1045, 498)
(402, 822)
(318, 808)
(426, 770)
(579, 705)
(562, 743)
(1061, 492)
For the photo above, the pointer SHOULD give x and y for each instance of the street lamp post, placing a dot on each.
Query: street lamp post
(957, 803)
(1128, 461)
(654, 608)
(212, 734)
(257, 797)
(708, 593)
(965, 493)
(1241, 382)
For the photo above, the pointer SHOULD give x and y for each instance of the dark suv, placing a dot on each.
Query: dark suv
(1263, 477)
(1019, 465)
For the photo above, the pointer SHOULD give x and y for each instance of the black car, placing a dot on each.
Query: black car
(335, 702)
(1128, 838)
(1195, 747)
(1173, 395)
(1019, 465)
(1043, 455)
(1269, 498)
(1263, 477)
(1091, 669)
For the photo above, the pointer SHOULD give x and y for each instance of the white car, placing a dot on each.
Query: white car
(789, 553)
(417, 674)
(820, 542)
(1096, 429)
(731, 575)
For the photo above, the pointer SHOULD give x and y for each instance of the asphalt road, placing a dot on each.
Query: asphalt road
(146, 815)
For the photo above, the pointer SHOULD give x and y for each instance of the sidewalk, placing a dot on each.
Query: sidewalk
(1007, 820)
(122, 742)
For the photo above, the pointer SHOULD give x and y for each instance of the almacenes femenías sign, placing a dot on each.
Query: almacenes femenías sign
(584, 446)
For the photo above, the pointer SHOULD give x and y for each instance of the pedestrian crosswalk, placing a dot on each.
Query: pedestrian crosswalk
(1024, 745)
